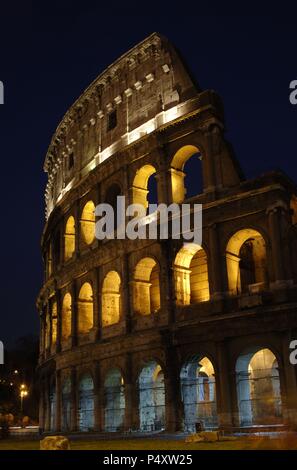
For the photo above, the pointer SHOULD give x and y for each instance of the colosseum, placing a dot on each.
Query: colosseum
(147, 335)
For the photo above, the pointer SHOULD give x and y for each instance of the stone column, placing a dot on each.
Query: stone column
(275, 237)
(47, 405)
(59, 321)
(127, 290)
(98, 423)
(128, 421)
(174, 408)
(223, 392)
(214, 263)
(58, 401)
(74, 315)
(209, 183)
(96, 306)
(41, 406)
(73, 394)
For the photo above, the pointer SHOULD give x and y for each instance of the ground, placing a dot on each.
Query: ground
(289, 443)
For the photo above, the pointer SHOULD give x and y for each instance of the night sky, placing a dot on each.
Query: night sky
(50, 54)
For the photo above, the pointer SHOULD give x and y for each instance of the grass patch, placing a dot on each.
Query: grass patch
(155, 444)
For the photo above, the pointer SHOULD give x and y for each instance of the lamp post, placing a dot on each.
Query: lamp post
(23, 394)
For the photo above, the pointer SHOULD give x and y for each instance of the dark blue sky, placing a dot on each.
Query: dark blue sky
(49, 54)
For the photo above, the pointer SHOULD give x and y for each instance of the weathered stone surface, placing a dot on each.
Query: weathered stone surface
(55, 443)
(203, 436)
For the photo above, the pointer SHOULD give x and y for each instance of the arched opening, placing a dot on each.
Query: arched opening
(66, 405)
(87, 223)
(85, 308)
(111, 299)
(52, 405)
(69, 238)
(258, 388)
(114, 400)
(146, 296)
(144, 190)
(191, 275)
(54, 324)
(246, 262)
(66, 317)
(198, 389)
(86, 403)
(151, 398)
(186, 174)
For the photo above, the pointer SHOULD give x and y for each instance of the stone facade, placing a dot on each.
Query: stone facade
(152, 334)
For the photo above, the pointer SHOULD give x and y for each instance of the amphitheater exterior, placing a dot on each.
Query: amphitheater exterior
(158, 334)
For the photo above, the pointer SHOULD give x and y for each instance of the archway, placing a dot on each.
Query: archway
(143, 190)
(151, 397)
(86, 403)
(66, 317)
(87, 223)
(191, 275)
(246, 262)
(258, 388)
(146, 294)
(198, 390)
(69, 238)
(114, 400)
(85, 308)
(181, 176)
(66, 405)
(111, 299)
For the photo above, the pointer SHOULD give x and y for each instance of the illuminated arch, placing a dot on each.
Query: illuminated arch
(111, 299)
(258, 388)
(86, 403)
(54, 323)
(198, 390)
(66, 316)
(151, 397)
(69, 238)
(85, 308)
(146, 295)
(114, 399)
(191, 275)
(177, 174)
(140, 185)
(87, 223)
(246, 261)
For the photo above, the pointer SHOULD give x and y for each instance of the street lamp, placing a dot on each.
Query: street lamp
(23, 394)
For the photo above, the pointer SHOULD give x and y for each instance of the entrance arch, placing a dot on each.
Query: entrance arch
(198, 389)
(151, 397)
(258, 388)
(178, 175)
(114, 401)
(86, 403)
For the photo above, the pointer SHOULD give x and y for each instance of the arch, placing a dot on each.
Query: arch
(140, 191)
(85, 308)
(111, 299)
(146, 294)
(86, 403)
(191, 275)
(198, 390)
(180, 158)
(66, 405)
(87, 223)
(114, 401)
(246, 261)
(66, 316)
(69, 238)
(151, 397)
(258, 388)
